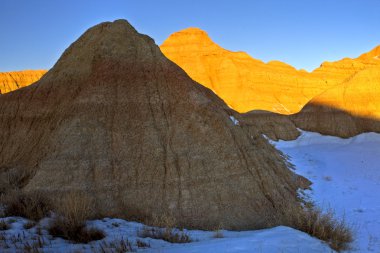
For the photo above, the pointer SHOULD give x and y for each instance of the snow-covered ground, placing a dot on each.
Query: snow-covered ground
(275, 240)
(346, 177)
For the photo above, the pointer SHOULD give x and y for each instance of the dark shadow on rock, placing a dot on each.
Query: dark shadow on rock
(313, 117)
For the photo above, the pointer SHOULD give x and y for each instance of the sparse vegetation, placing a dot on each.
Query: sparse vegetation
(33, 205)
(74, 209)
(164, 230)
(70, 222)
(75, 232)
(218, 234)
(116, 246)
(167, 234)
(13, 179)
(4, 225)
(142, 244)
(29, 224)
(36, 246)
(21, 243)
(115, 224)
(320, 224)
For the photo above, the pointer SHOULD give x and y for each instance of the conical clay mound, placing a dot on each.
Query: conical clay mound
(118, 121)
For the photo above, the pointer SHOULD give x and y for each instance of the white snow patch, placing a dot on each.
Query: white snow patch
(346, 177)
(234, 120)
(278, 239)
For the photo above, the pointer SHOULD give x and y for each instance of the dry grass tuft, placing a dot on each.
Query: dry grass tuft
(167, 234)
(73, 210)
(75, 206)
(164, 230)
(116, 246)
(33, 205)
(218, 234)
(142, 244)
(35, 246)
(320, 224)
(75, 232)
(13, 179)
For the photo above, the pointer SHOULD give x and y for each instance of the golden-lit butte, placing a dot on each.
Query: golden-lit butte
(243, 82)
(10, 81)
(357, 86)
(247, 84)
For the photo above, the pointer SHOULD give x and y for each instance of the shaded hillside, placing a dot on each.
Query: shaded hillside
(315, 118)
(118, 121)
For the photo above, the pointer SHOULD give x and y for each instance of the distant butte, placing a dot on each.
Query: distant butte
(10, 81)
(247, 84)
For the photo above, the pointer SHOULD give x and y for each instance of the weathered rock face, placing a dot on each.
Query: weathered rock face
(345, 110)
(10, 81)
(117, 120)
(348, 105)
(359, 95)
(274, 125)
(335, 73)
(243, 82)
(349, 108)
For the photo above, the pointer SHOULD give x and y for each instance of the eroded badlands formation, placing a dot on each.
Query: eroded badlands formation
(117, 120)
(243, 82)
(340, 97)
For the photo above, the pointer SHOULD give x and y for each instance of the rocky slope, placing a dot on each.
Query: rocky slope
(348, 108)
(345, 110)
(10, 81)
(118, 121)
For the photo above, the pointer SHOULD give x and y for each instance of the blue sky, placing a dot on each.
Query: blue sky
(303, 33)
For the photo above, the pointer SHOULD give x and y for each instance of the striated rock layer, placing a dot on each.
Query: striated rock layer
(243, 82)
(350, 107)
(347, 109)
(118, 121)
(349, 87)
(337, 72)
(10, 81)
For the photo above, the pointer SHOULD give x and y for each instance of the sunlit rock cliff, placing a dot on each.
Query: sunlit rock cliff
(243, 82)
(10, 81)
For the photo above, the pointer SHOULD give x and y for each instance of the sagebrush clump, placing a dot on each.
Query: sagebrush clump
(69, 223)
